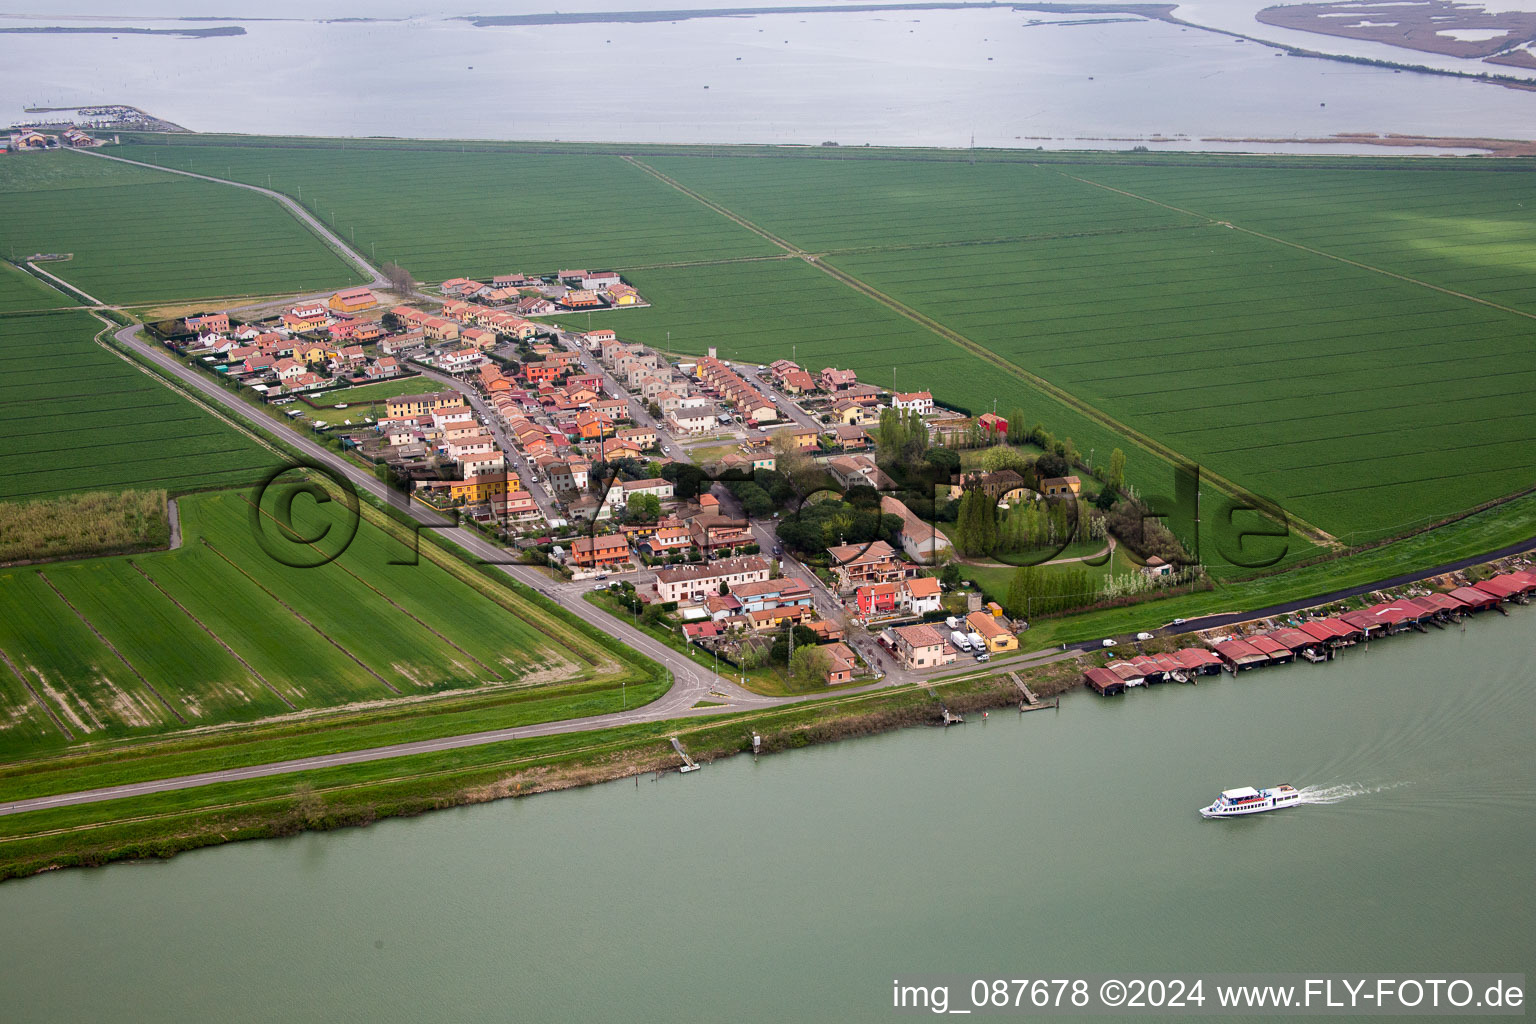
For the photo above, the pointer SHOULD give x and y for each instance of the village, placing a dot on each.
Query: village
(570, 446)
(621, 470)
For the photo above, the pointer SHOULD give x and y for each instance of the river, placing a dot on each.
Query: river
(1000, 78)
(795, 887)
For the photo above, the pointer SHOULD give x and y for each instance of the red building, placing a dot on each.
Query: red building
(993, 424)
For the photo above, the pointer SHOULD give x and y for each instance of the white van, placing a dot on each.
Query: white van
(952, 622)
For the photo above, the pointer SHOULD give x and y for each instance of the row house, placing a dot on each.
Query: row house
(306, 318)
(694, 582)
(483, 463)
(917, 596)
(784, 592)
(438, 328)
(420, 404)
(534, 305)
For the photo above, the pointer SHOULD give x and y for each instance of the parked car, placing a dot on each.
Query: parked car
(1179, 622)
(983, 656)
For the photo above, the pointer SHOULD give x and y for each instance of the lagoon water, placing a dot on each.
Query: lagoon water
(921, 77)
(796, 886)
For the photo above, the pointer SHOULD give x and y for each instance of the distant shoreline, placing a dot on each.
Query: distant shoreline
(106, 30)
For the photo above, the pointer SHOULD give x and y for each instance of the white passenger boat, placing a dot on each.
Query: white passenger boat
(1247, 800)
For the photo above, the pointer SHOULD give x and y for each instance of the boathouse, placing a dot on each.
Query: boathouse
(1396, 614)
(1196, 661)
(1475, 598)
(1104, 682)
(1128, 672)
(1506, 587)
(1240, 654)
(1277, 652)
(1445, 604)
(1366, 622)
(1296, 640)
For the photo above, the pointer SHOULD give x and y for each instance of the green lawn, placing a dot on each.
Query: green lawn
(78, 417)
(222, 631)
(146, 236)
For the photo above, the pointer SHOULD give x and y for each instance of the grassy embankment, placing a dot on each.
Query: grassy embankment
(164, 824)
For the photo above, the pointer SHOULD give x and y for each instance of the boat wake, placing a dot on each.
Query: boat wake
(1341, 792)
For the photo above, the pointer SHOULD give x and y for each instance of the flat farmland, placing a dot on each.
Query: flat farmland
(19, 290)
(1471, 229)
(77, 417)
(140, 236)
(832, 205)
(1359, 402)
(442, 213)
(219, 632)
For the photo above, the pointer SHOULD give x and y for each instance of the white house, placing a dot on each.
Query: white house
(913, 401)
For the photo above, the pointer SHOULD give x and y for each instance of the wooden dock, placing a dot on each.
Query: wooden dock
(1030, 701)
(688, 765)
(950, 718)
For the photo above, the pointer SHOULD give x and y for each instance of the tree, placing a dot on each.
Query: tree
(644, 508)
(1018, 433)
(1002, 457)
(976, 527)
(1114, 479)
(809, 666)
(725, 588)
(400, 279)
(1051, 464)
(950, 577)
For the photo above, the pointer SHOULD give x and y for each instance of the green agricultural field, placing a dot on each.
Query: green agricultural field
(140, 236)
(1466, 226)
(1354, 400)
(77, 417)
(19, 290)
(441, 213)
(219, 631)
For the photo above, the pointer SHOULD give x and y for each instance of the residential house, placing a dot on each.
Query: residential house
(417, 405)
(920, 402)
(840, 663)
(921, 646)
(218, 323)
(992, 424)
(1061, 486)
(922, 542)
(858, 564)
(483, 463)
(833, 380)
(602, 552)
(694, 582)
(921, 595)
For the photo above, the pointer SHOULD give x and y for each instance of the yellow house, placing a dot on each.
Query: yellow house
(997, 638)
(309, 353)
(350, 300)
(484, 488)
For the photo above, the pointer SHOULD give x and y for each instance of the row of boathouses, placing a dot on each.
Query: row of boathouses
(1316, 639)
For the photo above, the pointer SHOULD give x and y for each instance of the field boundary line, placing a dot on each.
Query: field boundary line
(392, 602)
(1309, 249)
(207, 629)
(736, 219)
(296, 614)
(109, 645)
(35, 696)
(1009, 367)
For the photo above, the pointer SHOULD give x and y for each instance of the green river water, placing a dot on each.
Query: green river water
(797, 886)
